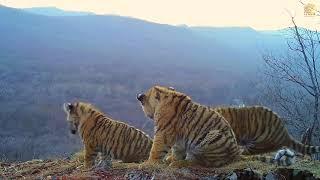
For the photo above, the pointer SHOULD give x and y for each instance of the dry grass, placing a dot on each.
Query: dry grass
(74, 167)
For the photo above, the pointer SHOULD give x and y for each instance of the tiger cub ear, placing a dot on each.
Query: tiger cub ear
(171, 88)
(158, 96)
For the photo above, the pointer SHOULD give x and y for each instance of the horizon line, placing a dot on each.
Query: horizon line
(149, 21)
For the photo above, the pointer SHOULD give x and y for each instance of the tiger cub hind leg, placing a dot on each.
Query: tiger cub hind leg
(217, 149)
(105, 162)
(175, 154)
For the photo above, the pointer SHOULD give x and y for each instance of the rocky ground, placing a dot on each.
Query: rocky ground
(71, 168)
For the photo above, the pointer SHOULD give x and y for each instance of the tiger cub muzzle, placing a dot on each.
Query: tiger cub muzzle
(141, 97)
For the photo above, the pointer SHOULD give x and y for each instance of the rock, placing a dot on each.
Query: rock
(138, 175)
(271, 176)
(213, 177)
(249, 173)
(295, 174)
(232, 176)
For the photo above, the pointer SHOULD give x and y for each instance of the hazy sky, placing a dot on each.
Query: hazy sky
(259, 14)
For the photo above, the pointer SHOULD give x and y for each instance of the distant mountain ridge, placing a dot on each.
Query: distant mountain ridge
(53, 11)
(104, 30)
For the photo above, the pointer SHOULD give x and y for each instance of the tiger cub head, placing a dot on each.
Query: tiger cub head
(159, 100)
(73, 116)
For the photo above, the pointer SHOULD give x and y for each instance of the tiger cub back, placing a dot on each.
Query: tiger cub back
(99, 133)
(259, 130)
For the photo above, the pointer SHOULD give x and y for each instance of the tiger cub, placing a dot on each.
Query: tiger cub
(99, 133)
(260, 130)
(197, 134)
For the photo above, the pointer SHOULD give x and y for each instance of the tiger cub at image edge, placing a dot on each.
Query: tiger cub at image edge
(260, 130)
(111, 138)
(197, 134)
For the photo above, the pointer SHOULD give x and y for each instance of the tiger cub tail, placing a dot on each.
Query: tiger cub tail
(283, 157)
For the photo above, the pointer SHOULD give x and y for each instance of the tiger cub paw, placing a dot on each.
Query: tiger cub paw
(103, 165)
(170, 158)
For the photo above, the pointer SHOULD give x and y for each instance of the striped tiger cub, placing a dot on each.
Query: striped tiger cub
(197, 134)
(111, 138)
(260, 130)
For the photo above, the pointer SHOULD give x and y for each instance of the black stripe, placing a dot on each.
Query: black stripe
(207, 130)
(173, 97)
(222, 145)
(194, 113)
(83, 127)
(137, 141)
(96, 125)
(183, 108)
(217, 138)
(106, 128)
(258, 124)
(199, 119)
(232, 113)
(275, 133)
(253, 123)
(187, 118)
(142, 145)
(196, 124)
(205, 121)
(282, 136)
(271, 124)
(75, 109)
(82, 109)
(112, 136)
(132, 141)
(219, 124)
(117, 141)
(264, 126)
(101, 123)
(200, 139)
(126, 142)
(91, 135)
(144, 149)
(108, 136)
(172, 118)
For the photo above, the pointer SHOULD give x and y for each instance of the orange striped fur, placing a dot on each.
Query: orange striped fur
(113, 139)
(197, 134)
(260, 130)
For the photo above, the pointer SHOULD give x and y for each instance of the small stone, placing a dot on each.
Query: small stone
(214, 177)
(232, 176)
(271, 176)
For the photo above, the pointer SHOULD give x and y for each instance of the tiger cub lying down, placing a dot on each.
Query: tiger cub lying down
(260, 130)
(99, 133)
(198, 135)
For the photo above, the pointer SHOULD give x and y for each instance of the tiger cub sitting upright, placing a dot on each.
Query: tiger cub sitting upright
(111, 138)
(197, 134)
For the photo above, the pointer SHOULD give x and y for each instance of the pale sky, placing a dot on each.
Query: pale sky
(258, 14)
